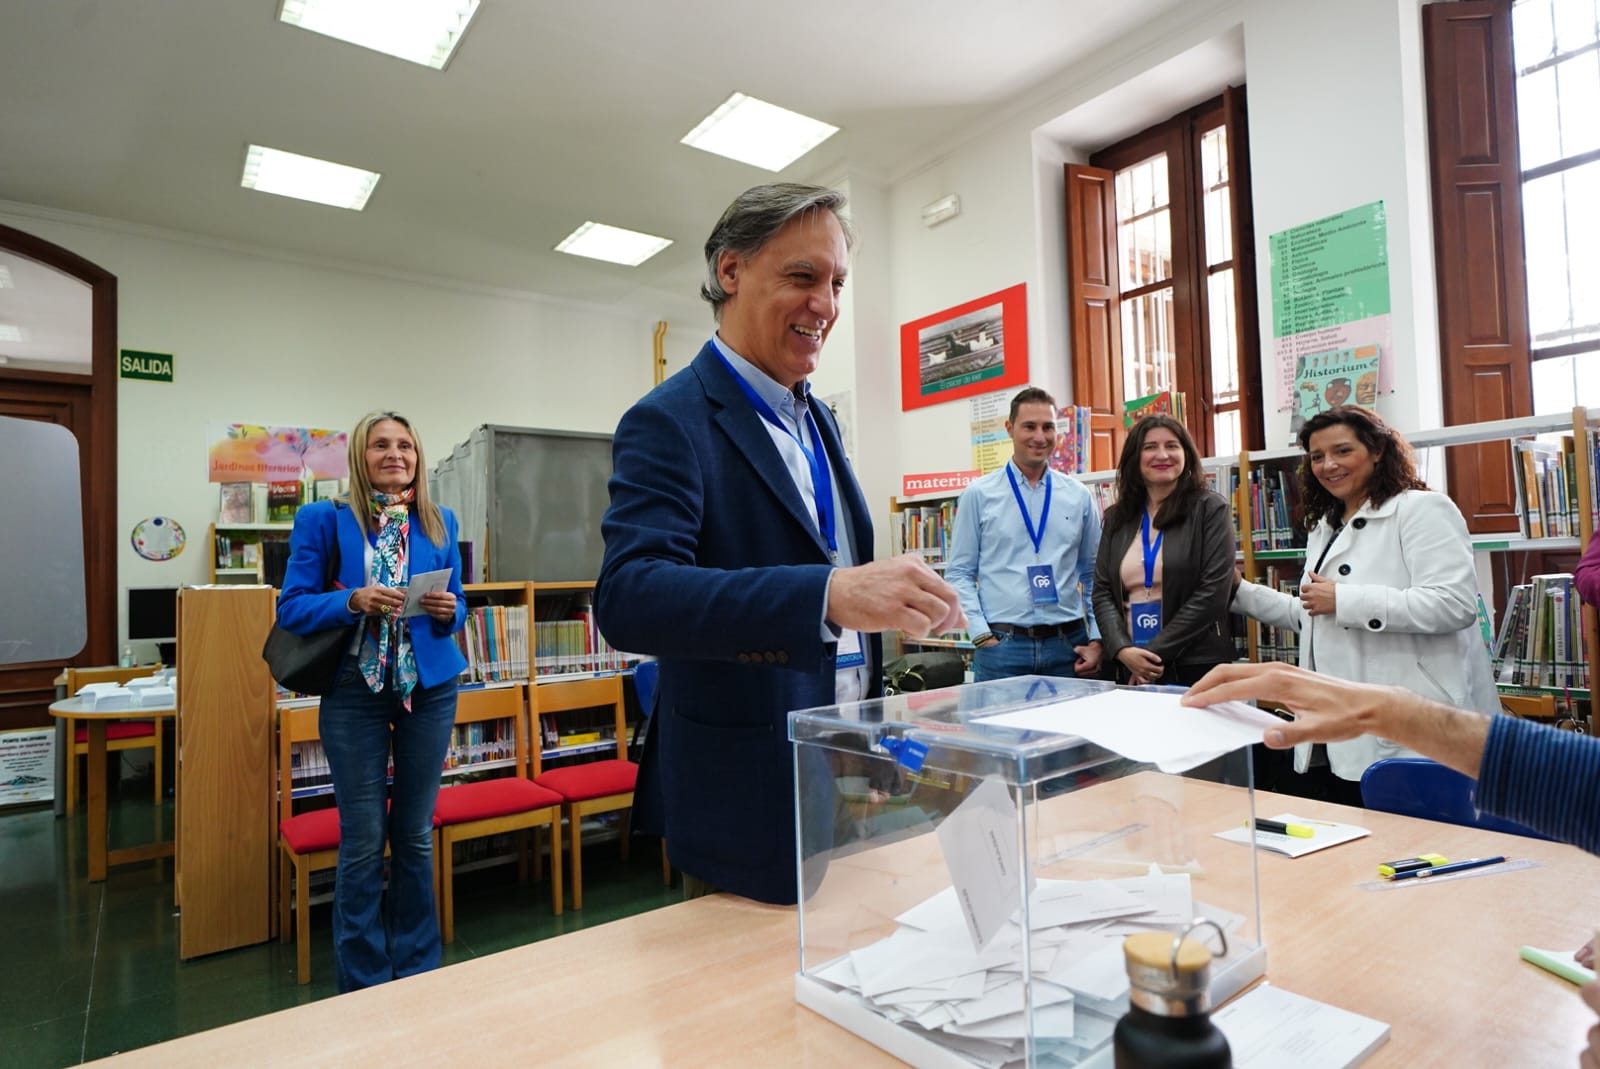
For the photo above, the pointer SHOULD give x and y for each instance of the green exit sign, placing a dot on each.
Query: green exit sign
(153, 367)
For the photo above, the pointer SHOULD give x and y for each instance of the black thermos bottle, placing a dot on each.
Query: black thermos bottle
(1168, 1024)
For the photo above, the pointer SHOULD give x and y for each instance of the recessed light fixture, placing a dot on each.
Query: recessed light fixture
(613, 244)
(8, 332)
(755, 132)
(272, 170)
(422, 31)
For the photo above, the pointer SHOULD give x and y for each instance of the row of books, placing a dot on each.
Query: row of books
(1274, 501)
(1541, 641)
(925, 529)
(251, 549)
(495, 642)
(1279, 643)
(480, 742)
(272, 502)
(1071, 455)
(1546, 475)
(470, 744)
(557, 733)
(567, 646)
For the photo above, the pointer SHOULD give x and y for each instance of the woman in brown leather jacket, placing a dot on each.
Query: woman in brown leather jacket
(1164, 574)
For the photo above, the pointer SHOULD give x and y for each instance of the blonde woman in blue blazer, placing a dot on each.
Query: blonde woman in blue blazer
(395, 694)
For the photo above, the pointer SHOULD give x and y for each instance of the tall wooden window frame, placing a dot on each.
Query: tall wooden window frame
(1099, 298)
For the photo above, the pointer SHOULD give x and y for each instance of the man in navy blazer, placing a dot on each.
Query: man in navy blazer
(738, 551)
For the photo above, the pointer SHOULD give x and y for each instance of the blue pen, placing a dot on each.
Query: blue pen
(1455, 866)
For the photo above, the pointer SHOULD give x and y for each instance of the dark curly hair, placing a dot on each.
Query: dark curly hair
(1395, 468)
(1132, 495)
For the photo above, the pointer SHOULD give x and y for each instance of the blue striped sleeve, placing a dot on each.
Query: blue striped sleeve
(1546, 779)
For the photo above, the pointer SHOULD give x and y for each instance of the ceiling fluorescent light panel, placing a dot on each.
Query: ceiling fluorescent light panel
(760, 134)
(271, 170)
(420, 31)
(598, 241)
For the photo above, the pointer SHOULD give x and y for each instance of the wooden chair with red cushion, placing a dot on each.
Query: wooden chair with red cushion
(492, 806)
(308, 842)
(120, 734)
(595, 786)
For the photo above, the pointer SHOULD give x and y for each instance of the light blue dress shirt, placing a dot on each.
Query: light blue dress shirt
(991, 551)
(791, 410)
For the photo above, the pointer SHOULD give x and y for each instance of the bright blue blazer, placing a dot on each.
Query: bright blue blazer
(713, 565)
(304, 606)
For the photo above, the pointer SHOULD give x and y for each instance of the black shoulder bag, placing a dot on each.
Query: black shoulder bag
(309, 664)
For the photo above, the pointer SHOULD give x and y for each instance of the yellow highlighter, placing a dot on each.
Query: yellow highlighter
(1299, 831)
(1389, 869)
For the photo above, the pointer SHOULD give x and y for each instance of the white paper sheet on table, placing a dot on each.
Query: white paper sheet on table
(1146, 725)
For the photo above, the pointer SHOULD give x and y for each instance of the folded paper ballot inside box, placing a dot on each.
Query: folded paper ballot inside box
(970, 910)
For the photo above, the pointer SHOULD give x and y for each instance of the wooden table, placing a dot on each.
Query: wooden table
(710, 982)
(95, 718)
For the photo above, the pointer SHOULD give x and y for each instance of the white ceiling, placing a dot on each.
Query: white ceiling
(549, 114)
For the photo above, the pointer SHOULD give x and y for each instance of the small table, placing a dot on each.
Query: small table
(95, 718)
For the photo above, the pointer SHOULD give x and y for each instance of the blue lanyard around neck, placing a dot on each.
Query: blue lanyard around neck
(821, 478)
(1150, 551)
(1044, 514)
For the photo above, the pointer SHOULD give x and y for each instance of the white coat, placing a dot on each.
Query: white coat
(1405, 612)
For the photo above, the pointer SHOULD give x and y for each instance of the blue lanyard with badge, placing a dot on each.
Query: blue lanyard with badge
(850, 654)
(1041, 577)
(1145, 616)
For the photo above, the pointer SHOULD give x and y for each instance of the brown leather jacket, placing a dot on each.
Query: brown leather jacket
(1197, 567)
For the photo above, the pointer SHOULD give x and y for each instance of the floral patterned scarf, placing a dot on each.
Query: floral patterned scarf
(388, 638)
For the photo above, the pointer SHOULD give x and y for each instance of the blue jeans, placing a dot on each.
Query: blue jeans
(378, 937)
(1017, 655)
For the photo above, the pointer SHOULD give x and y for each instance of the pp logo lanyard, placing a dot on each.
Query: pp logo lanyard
(1041, 577)
(1145, 616)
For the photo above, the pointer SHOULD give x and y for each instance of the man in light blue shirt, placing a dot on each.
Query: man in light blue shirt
(1022, 557)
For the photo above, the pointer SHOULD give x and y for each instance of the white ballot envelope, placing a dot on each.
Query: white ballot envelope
(426, 583)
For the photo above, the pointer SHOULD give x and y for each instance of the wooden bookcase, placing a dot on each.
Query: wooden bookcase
(243, 534)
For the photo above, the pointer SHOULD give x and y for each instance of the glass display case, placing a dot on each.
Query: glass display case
(931, 838)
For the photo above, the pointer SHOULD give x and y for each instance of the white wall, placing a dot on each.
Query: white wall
(268, 340)
(1336, 121)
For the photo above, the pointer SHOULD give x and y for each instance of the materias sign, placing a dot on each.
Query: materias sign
(155, 367)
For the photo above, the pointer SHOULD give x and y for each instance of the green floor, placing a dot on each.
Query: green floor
(87, 970)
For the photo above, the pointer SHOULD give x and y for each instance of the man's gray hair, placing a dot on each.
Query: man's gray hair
(754, 217)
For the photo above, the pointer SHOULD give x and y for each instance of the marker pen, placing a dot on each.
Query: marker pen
(1457, 866)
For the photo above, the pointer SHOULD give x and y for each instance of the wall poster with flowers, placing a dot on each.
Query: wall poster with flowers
(253, 453)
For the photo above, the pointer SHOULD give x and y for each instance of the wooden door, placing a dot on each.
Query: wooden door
(27, 689)
(86, 405)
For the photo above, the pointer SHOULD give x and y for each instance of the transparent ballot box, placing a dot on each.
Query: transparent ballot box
(932, 838)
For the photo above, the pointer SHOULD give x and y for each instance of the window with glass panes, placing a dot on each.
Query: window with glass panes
(1178, 277)
(1556, 46)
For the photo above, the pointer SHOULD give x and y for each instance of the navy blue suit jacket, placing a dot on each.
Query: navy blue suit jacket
(714, 565)
(304, 606)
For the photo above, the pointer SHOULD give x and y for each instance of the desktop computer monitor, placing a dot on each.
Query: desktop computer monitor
(153, 617)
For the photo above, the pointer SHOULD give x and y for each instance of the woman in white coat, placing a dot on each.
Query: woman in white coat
(1389, 594)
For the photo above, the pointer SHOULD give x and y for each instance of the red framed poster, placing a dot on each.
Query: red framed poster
(973, 348)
